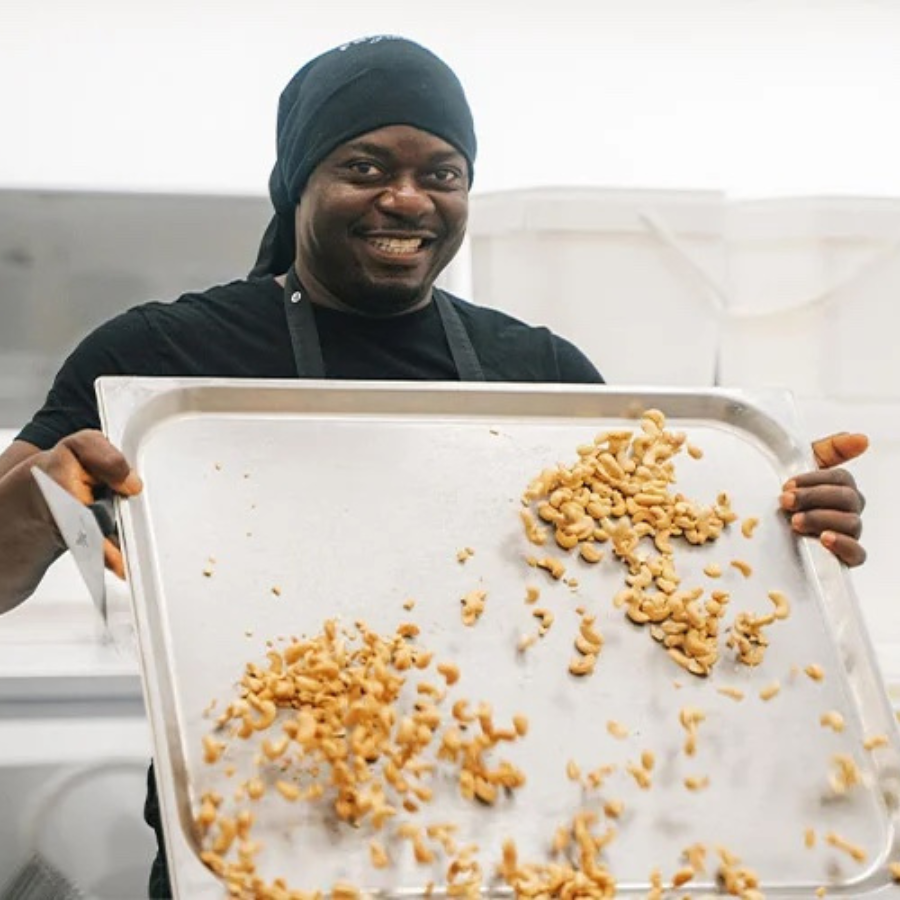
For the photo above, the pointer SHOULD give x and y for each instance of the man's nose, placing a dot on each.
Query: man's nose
(405, 197)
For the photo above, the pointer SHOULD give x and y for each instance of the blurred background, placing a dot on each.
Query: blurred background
(703, 192)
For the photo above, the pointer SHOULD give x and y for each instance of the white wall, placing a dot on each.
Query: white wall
(752, 97)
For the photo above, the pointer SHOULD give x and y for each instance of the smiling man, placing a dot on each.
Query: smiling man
(382, 249)
(376, 153)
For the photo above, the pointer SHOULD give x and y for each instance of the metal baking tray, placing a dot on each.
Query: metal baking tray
(352, 497)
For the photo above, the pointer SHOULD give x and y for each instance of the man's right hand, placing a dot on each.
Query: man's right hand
(82, 463)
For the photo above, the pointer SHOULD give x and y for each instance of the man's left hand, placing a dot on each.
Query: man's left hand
(826, 503)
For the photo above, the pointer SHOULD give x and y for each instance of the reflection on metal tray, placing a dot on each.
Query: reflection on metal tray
(352, 497)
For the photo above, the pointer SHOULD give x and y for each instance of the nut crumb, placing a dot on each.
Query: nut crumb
(852, 850)
(732, 692)
(583, 665)
(450, 671)
(845, 774)
(815, 672)
(682, 876)
(552, 566)
(691, 717)
(589, 553)
(617, 729)
(287, 790)
(378, 855)
(613, 809)
(876, 741)
(640, 775)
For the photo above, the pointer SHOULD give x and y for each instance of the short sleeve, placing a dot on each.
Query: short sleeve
(121, 346)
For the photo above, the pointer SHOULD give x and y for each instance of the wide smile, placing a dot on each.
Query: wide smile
(398, 249)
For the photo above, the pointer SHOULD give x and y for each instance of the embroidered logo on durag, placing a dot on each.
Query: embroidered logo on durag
(371, 40)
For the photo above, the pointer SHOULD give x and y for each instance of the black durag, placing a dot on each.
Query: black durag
(348, 91)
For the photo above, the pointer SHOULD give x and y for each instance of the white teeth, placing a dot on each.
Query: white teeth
(396, 245)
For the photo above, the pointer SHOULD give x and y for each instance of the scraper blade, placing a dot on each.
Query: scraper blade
(80, 530)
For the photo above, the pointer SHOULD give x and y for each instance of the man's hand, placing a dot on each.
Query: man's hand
(83, 463)
(29, 540)
(827, 503)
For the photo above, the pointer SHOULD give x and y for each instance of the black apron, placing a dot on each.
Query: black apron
(308, 351)
(308, 359)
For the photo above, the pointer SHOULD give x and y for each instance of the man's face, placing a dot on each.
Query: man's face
(380, 218)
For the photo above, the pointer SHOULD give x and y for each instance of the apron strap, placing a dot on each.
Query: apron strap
(302, 326)
(468, 366)
(308, 350)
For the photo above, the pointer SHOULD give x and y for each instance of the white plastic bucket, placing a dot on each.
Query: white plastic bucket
(813, 305)
(590, 264)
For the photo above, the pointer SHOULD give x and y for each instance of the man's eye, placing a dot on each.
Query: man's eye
(364, 168)
(446, 176)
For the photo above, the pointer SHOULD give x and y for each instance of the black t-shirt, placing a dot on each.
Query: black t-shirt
(239, 330)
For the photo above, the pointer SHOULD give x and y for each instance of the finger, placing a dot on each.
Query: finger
(112, 557)
(64, 467)
(839, 478)
(818, 521)
(839, 448)
(823, 497)
(102, 462)
(845, 548)
(821, 476)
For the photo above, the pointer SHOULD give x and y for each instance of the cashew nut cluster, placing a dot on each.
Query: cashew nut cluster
(748, 638)
(588, 643)
(473, 606)
(619, 492)
(347, 736)
(735, 879)
(584, 875)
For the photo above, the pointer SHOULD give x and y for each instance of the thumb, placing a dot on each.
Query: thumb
(839, 448)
